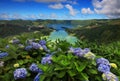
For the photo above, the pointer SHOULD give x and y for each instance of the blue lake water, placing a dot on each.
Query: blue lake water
(60, 33)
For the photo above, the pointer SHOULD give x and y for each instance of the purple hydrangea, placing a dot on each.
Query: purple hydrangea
(42, 42)
(15, 41)
(86, 50)
(20, 73)
(7, 46)
(28, 48)
(3, 54)
(103, 68)
(46, 59)
(44, 47)
(34, 68)
(102, 61)
(36, 45)
(110, 76)
(79, 52)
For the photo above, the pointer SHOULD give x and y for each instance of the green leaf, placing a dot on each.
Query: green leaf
(80, 67)
(42, 77)
(61, 74)
(71, 73)
(92, 71)
(84, 75)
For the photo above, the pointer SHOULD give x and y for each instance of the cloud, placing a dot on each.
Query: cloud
(56, 6)
(110, 8)
(86, 11)
(72, 11)
(53, 16)
(4, 16)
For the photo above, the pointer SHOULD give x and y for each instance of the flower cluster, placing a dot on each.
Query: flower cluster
(15, 41)
(109, 76)
(20, 73)
(3, 54)
(34, 68)
(34, 45)
(82, 52)
(46, 59)
(104, 67)
(1, 63)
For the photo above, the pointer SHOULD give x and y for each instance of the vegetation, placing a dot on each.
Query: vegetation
(30, 56)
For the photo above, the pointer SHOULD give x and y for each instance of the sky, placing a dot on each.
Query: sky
(59, 9)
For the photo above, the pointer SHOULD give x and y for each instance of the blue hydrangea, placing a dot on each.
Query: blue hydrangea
(86, 50)
(44, 47)
(7, 46)
(34, 68)
(20, 73)
(47, 59)
(37, 77)
(3, 54)
(78, 51)
(102, 61)
(110, 77)
(103, 68)
(28, 48)
(42, 42)
(36, 45)
(15, 41)
(21, 45)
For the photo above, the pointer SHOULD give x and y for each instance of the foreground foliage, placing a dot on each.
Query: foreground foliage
(30, 57)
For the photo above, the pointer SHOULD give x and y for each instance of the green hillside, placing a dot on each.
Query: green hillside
(99, 31)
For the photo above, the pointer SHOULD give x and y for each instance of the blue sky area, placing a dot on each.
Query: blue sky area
(58, 9)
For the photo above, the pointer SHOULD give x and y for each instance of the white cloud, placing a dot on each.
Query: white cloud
(56, 6)
(4, 16)
(86, 11)
(53, 15)
(72, 11)
(110, 8)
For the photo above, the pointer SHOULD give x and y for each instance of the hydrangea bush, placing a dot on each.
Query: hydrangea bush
(25, 58)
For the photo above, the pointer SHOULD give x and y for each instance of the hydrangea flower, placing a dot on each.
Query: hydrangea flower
(20, 73)
(103, 68)
(36, 45)
(21, 45)
(102, 61)
(113, 65)
(15, 41)
(86, 50)
(37, 77)
(46, 59)
(28, 48)
(44, 47)
(108, 76)
(79, 52)
(1, 63)
(89, 55)
(7, 46)
(3, 54)
(34, 68)
(42, 42)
